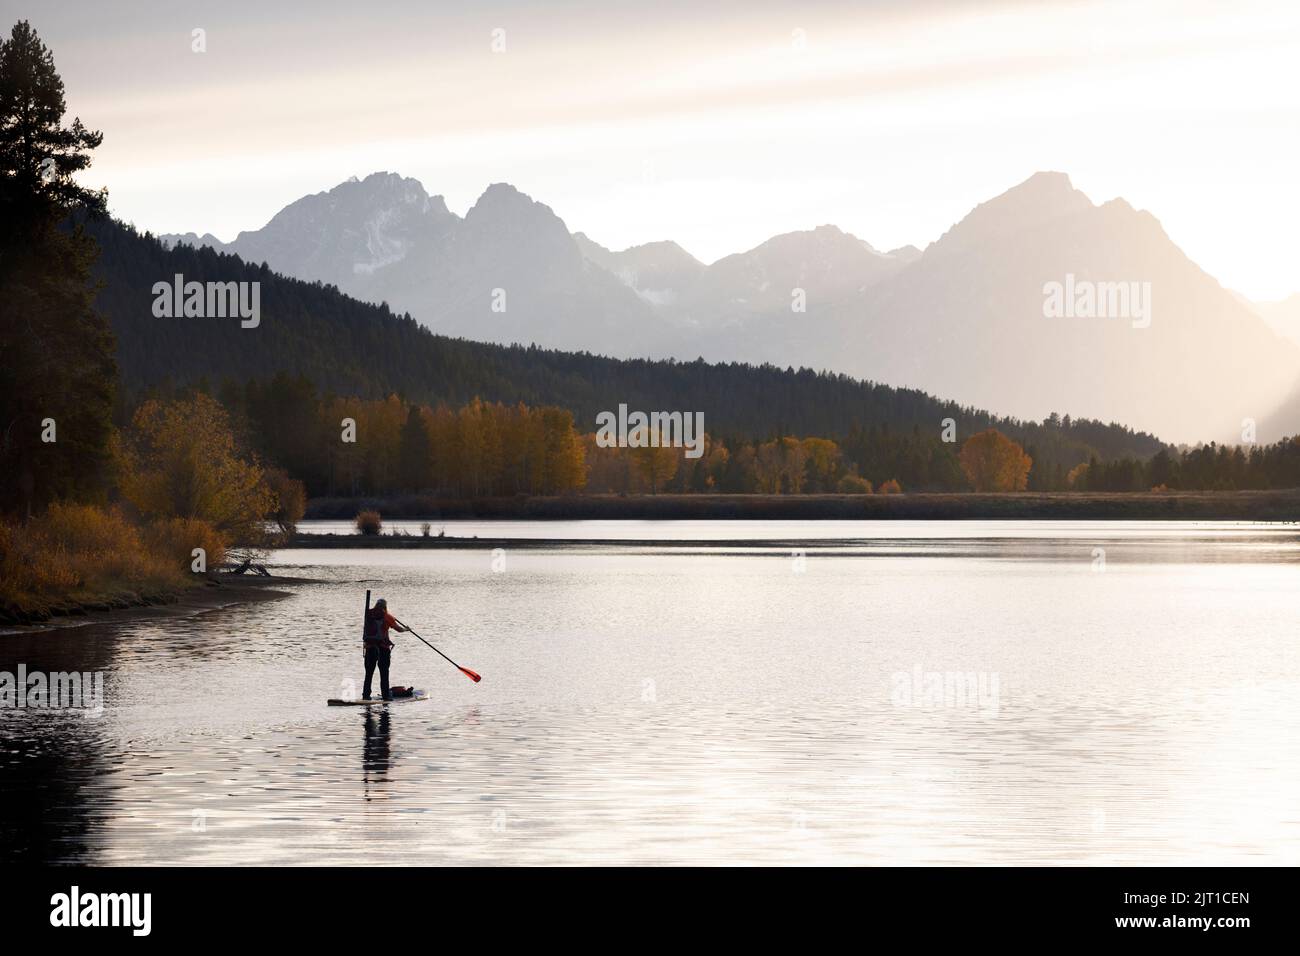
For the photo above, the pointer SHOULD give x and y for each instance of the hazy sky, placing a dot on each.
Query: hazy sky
(718, 125)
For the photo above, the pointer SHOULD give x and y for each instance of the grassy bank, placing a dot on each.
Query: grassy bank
(78, 559)
(1199, 505)
(212, 594)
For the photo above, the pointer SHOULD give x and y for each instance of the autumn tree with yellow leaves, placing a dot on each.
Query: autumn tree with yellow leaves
(657, 465)
(823, 464)
(993, 462)
(180, 460)
(780, 466)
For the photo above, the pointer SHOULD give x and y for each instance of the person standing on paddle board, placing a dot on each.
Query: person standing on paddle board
(379, 648)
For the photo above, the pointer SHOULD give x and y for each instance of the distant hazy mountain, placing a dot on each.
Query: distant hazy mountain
(511, 272)
(964, 318)
(344, 236)
(824, 263)
(659, 272)
(508, 272)
(1283, 317)
(192, 239)
(970, 314)
(732, 290)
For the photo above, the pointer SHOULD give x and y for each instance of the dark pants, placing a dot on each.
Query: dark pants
(381, 656)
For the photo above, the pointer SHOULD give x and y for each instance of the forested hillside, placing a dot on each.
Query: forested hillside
(349, 348)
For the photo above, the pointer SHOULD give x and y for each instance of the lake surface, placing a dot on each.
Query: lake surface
(899, 692)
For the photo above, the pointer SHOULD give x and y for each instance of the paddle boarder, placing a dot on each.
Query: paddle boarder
(378, 648)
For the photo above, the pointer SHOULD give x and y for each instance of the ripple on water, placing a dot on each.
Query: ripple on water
(657, 707)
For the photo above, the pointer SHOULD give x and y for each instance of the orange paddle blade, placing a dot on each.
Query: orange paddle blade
(470, 674)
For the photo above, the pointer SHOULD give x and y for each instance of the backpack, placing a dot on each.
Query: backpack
(374, 628)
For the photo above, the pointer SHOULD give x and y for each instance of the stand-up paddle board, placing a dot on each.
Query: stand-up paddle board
(416, 695)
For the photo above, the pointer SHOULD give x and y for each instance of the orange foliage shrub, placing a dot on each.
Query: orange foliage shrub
(174, 540)
(28, 567)
(853, 485)
(79, 553)
(993, 462)
(291, 500)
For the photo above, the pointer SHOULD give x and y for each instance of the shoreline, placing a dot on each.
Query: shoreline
(1282, 505)
(328, 541)
(227, 591)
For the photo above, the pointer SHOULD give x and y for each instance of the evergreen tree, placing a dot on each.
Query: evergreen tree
(57, 394)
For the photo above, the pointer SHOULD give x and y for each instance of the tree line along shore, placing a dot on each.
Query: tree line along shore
(1271, 506)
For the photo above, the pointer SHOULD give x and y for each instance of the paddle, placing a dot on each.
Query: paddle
(464, 670)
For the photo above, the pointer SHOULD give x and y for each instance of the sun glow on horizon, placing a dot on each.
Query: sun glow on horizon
(715, 129)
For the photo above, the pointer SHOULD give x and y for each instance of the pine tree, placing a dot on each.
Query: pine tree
(56, 397)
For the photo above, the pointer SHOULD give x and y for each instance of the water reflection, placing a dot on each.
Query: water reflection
(48, 758)
(376, 754)
(716, 706)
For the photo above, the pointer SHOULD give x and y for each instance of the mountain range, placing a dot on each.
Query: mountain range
(964, 318)
(312, 338)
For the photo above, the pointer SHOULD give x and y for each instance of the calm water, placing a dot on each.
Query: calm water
(1139, 703)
